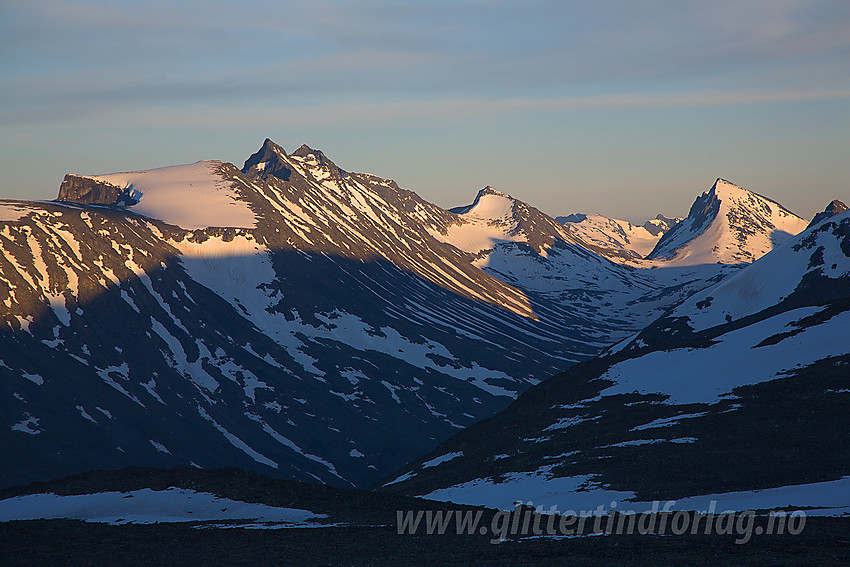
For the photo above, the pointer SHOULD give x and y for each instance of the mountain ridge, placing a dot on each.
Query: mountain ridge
(617, 239)
(331, 337)
(342, 328)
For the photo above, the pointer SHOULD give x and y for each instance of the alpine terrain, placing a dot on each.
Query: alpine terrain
(737, 395)
(306, 322)
(619, 240)
(296, 319)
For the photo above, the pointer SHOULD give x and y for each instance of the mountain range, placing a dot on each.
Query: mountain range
(310, 323)
(737, 394)
(616, 239)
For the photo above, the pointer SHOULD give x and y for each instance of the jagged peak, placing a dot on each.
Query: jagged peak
(269, 159)
(835, 207)
(723, 189)
(832, 209)
(268, 144)
(268, 151)
(308, 156)
(749, 226)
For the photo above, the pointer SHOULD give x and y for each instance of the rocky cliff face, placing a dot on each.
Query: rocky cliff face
(88, 191)
(660, 224)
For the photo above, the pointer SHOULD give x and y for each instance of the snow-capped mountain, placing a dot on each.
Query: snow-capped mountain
(557, 270)
(729, 225)
(743, 387)
(290, 317)
(617, 239)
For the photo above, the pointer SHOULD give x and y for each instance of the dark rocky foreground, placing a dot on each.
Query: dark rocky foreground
(365, 534)
(62, 542)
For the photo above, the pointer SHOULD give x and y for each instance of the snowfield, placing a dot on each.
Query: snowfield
(190, 196)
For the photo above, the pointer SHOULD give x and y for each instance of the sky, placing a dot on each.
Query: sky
(622, 107)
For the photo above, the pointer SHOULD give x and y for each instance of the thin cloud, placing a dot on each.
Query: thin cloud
(430, 112)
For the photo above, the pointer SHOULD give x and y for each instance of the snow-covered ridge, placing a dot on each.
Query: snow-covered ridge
(343, 303)
(618, 238)
(190, 196)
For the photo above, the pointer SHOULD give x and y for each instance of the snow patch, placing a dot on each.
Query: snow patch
(442, 459)
(147, 506)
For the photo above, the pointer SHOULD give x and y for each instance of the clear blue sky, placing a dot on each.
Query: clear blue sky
(628, 108)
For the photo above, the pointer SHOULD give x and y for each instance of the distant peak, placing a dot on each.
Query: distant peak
(660, 224)
(316, 159)
(306, 151)
(488, 190)
(835, 207)
(574, 217)
(271, 147)
(832, 209)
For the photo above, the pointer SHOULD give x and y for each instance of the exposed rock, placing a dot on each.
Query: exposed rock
(88, 191)
(832, 209)
(660, 224)
(269, 159)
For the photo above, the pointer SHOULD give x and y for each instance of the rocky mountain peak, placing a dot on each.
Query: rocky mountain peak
(306, 151)
(317, 163)
(722, 186)
(489, 190)
(832, 209)
(269, 159)
(730, 225)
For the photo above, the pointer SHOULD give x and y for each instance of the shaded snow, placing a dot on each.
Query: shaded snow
(146, 506)
(579, 493)
(732, 361)
(442, 459)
